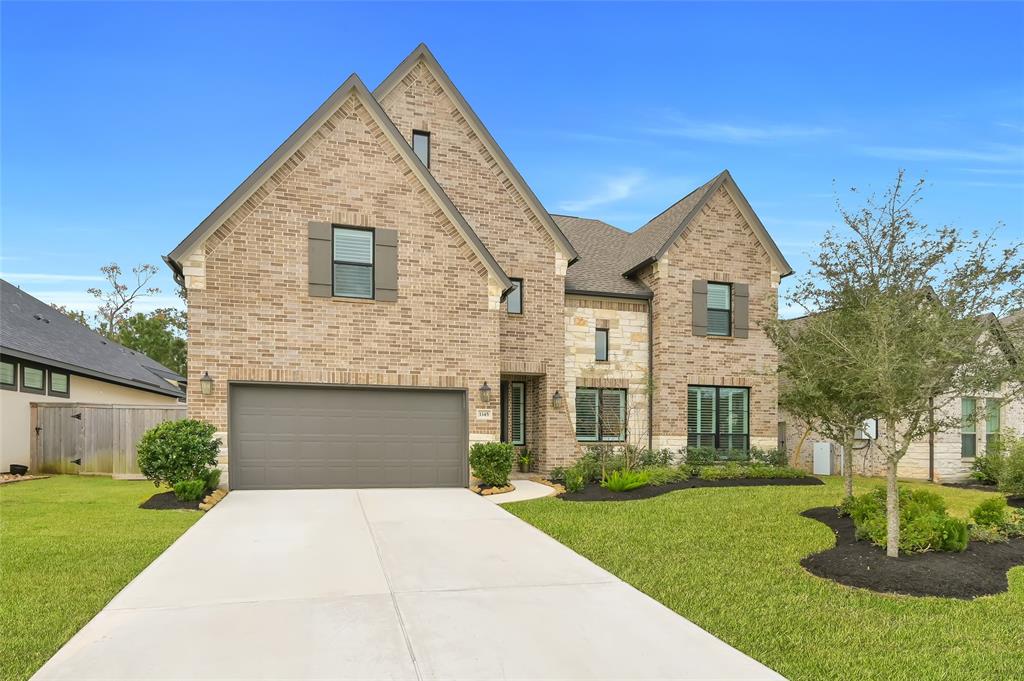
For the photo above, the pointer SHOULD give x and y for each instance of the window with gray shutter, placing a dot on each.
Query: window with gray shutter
(353, 262)
(517, 425)
(719, 313)
(699, 307)
(741, 310)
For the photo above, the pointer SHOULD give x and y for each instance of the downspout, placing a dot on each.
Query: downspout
(650, 374)
(931, 439)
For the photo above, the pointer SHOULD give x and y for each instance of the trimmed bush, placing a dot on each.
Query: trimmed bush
(651, 458)
(1011, 477)
(623, 481)
(575, 479)
(990, 513)
(492, 462)
(190, 490)
(663, 475)
(175, 451)
(212, 479)
(727, 471)
(770, 457)
(700, 456)
(924, 523)
(987, 469)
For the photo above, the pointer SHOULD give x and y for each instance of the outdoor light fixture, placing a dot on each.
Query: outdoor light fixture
(556, 400)
(485, 393)
(206, 383)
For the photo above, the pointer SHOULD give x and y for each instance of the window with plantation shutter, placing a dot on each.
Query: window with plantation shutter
(586, 414)
(517, 419)
(353, 262)
(718, 417)
(968, 427)
(600, 414)
(8, 375)
(700, 405)
(992, 424)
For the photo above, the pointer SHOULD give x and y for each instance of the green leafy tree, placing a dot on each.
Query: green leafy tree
(77, 315)
(159, 335)
(927, 299)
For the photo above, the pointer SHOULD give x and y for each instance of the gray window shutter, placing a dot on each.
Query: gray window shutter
(700, 307)
(385, 265)
(321, 260)
(741, 310)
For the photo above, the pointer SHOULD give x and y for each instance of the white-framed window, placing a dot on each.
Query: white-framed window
(968, 427)
(719, 309)
(993, 424)
(353, 262)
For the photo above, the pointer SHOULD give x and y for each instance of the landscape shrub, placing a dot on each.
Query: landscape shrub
(492, 462)
(699, 456)
(212, 479)
(575, 479)
(924, 523)
(651, 458)
(726, 471)
(987, 469)
(1011, 477)
(663, 475)
(1014, 525)
(623, 481)
(190, 490)
(734, 470)
(987, 534)
(770, 457)
(990, 513)
(174, 451)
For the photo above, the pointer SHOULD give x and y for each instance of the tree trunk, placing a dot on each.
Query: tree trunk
(848, 467)
(892, 512)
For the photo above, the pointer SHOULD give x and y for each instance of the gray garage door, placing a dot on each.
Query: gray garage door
(287, 437)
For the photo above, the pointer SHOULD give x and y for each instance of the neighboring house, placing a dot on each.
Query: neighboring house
(46, 356)
(385, 290)
(946, 456)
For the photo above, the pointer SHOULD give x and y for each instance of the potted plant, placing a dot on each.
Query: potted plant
(524, 461)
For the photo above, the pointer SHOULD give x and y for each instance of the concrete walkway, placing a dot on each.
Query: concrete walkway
(524, 490)
(397, 584)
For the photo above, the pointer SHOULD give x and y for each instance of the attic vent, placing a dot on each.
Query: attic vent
(41, 318)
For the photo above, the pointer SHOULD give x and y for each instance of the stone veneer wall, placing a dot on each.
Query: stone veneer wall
(250, 315)
(718, 246)
(626, 321)
(488, 199)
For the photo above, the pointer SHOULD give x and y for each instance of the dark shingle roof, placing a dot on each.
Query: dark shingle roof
(31, 329)
(603, 257)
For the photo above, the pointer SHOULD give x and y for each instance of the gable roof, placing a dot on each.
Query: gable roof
(604, 255)
(423, 53)
(352, 85)
(653, 240)
(32, 330)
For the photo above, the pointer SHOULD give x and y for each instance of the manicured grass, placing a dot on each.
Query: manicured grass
(729, 560)
(67, 546)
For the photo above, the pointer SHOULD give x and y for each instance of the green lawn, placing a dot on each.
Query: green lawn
(67, 546)
(729, 560)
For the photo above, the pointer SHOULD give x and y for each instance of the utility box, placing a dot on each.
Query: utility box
(822, 458)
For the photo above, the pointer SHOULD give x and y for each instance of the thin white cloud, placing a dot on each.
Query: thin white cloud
(81, 300)
(994, 171)
(15, 277)
(713, 131)
(612, 190)
(1000, 154)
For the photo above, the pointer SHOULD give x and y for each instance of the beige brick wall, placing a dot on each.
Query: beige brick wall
(626, 367)
(254, 319)
(485, 195)
(718, 246)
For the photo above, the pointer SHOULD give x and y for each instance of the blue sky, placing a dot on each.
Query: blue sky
(124, 125)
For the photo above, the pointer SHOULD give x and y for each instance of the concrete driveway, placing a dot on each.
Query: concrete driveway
(384, 584)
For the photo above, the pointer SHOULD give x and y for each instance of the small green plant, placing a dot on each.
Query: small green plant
(524, 461)
(770, 457)
(492, 462)
(190, 490)
(987, 469)
(174, 451)
(623, 481)
(1011, 477)
(663, 475)
(1014, 525)
(954, 534)
(654, 458)
(989, 535)
(700, 456)
(924, 523)
(990, 513)
(212, 478)
(575, 479)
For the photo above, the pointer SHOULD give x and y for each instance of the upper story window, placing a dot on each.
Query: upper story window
(421, 146)
(968, 427)
(59, 384)
(8, 375)
(601, 345)
(719, 309)
(353, 262)
(514, 299)
(33, 379)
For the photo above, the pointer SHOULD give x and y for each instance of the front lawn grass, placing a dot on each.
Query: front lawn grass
(729, 560)
(67, 546)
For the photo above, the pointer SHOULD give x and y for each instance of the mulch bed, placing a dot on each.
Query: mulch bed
(973, 484)
(978, 571)
(598, 493)
(166, 501)
(1015, 502)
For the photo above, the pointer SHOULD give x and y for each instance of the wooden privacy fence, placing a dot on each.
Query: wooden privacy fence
(101, 437)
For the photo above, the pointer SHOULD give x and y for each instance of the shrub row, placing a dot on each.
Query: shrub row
(1003, 465)
(924, 523)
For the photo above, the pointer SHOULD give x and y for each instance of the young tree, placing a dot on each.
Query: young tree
(926, 298)
(117, 300)
(77, 315)
(159, 335)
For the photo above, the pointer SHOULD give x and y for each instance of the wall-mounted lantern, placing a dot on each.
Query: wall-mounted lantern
(556, 400)
(485, 393)
(206, 383)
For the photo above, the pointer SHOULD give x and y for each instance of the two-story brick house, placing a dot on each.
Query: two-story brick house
(386, 289)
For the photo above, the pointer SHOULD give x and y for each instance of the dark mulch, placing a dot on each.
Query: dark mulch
(166, 501)
(971, 484)
(978, 571)
(598, 493)
(1015, 502)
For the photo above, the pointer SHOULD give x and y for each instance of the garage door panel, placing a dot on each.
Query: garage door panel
(294, 437)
